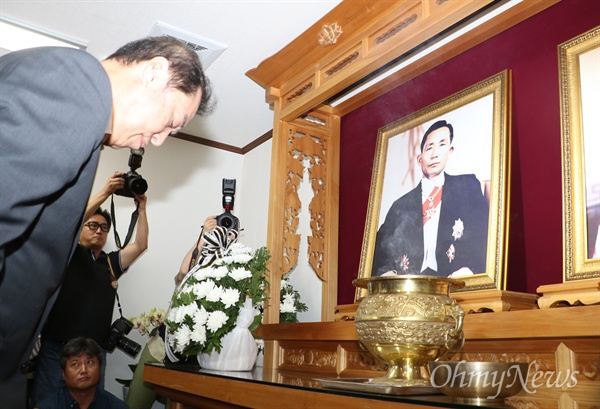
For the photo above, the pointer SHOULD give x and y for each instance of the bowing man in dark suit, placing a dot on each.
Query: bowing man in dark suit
(58, 107)
(440, 227)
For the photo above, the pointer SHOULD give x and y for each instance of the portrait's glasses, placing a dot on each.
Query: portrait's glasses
(94, 226)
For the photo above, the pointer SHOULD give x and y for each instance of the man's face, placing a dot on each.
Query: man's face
(436, 151)
(82, 372)
(94, 239)
(151, 117)
(150, 109)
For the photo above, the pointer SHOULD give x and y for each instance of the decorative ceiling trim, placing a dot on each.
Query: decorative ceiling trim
(223, 146)
(329, 34)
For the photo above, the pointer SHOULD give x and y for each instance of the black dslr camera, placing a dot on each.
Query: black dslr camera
(226, 219)
(135, 184)
(117, 338)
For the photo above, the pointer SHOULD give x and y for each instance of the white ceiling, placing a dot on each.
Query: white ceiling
(253, 31)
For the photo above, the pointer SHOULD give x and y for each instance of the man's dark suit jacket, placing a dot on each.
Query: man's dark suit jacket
(55, 104)
(402, 232)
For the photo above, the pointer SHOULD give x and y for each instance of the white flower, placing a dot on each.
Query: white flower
(215, 294)
(186, 310)
(240, 273)
(201, 316)
(219, 272)
(241, 258)
(287, 306)
(230, 297)
(173, 314)
(216, 319)
(202, 289)
(199, 334)
(285, 284)
(179, 314)
(290, 304)
(182, 337)
(238, 248)
(199, 273)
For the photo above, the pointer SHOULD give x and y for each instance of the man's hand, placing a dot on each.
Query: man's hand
(115, 182)
(140, 201)
(210, 223)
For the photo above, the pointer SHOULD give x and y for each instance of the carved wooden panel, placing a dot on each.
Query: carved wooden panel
(561, 374)
(306, 151)
(562, 346)
(356, 362)
(318, 357)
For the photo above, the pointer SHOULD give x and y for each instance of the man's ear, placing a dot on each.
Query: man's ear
(156, 73)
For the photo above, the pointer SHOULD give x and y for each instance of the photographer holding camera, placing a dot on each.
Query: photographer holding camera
(85, 304)
(141, 394)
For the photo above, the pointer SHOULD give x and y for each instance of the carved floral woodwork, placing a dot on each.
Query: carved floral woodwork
(306, 151)
(329, 34)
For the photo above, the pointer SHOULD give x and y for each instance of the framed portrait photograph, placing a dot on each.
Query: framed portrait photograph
(579, 65)
(438, 200)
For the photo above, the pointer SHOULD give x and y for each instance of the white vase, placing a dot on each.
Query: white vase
(239, 349)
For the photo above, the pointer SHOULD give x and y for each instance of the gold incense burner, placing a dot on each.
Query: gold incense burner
(408, 321)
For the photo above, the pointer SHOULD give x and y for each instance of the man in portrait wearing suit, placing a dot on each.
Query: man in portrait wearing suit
(440, 227)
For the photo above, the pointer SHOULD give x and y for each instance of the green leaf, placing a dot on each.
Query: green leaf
(256, 322)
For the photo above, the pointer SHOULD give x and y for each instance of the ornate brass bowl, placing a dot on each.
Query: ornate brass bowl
(408, 321)
(478, 383)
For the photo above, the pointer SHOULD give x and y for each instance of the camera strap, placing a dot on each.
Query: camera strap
(134, 217)
(115, 284)
(194, 258)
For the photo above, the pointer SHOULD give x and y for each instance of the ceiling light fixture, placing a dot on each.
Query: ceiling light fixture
(16, 36)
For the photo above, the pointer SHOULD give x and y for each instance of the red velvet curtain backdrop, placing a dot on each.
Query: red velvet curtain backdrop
(530, 51)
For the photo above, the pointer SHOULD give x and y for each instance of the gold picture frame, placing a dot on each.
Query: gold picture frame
(579, 65)
(480, 116)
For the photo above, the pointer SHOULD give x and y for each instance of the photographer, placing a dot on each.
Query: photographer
(85, 304)
(141, 395)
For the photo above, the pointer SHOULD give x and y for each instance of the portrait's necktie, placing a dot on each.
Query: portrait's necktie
(432, 203)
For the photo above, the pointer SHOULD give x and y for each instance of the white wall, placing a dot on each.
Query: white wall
(185, 181)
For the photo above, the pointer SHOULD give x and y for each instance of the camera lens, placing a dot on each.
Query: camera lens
(138, 185)
(226, 222)
(128, 346)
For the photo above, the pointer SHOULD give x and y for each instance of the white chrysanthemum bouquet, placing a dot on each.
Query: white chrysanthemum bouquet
(207, 304)
(290, 304)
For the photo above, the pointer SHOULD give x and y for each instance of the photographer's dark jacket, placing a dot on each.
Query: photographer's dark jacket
(85, 304)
